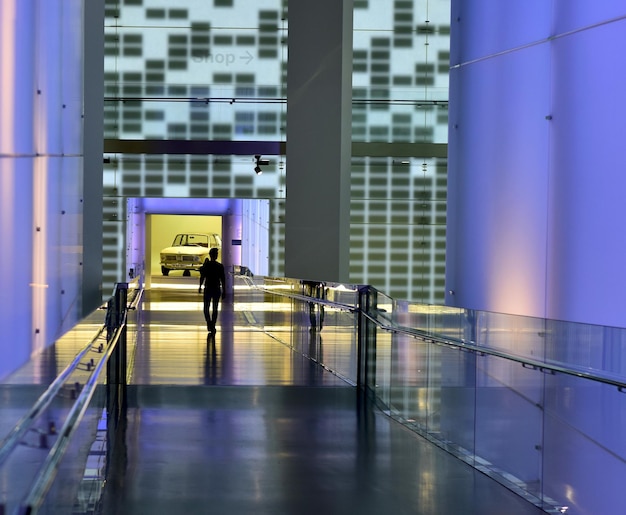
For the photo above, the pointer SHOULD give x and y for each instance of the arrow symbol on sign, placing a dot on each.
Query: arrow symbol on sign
(247, 57)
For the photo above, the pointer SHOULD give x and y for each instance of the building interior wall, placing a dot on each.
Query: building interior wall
(40, 174)
(535, 160)
(255, 248)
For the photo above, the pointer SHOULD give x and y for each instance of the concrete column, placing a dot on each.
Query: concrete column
(93, 144)
(319, 94)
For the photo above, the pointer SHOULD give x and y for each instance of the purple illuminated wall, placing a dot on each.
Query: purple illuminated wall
(40, 174)
(536, 159)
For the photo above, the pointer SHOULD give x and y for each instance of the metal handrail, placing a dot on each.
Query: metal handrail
(48, 471)
(113, 328)
(452, 343)
(23, 425)
(305, 298)
(462, 345)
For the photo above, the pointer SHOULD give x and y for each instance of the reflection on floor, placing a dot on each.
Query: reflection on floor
(246, 422)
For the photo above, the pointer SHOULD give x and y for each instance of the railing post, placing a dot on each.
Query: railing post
(116, 372)
(116, 366)
(366, 340)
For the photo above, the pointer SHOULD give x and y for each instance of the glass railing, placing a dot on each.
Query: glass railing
(53, 459)
(530, 402)
(328, 310)
(536, 404)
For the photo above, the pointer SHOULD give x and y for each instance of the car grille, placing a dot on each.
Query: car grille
(177, 258)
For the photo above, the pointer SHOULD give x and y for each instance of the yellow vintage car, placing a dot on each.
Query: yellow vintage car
(188, 251)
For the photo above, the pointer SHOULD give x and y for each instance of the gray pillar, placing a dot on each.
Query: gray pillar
(319, 97)
(93, 144)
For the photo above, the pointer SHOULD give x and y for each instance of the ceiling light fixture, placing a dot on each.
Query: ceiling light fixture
(259, 162)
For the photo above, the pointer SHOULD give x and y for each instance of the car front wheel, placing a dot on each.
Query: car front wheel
(165, 271)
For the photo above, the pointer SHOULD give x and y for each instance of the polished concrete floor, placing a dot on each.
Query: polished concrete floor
(260, 418)
(246, 422)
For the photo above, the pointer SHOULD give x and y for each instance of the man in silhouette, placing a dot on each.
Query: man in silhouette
(214, 279)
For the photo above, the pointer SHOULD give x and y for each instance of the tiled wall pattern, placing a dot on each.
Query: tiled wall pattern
(216, 70)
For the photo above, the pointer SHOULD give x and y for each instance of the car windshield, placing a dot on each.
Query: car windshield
(191, 240)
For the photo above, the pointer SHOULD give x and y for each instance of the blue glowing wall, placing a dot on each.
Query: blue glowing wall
(40, 174)
(536, 159)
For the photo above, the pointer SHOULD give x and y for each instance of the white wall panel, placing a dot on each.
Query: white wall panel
(16, 182)
(482, 28)
(22, 77)
(136, 239)
(572, 15)
(587, 238)
(536, 160)
(41, 205)
(72, 90)
(15, 265)
(51, 257)
(48, 79)
(498, 188)
(255, 235)
(70, 244)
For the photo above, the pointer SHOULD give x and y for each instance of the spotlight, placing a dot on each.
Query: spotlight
(260, 162)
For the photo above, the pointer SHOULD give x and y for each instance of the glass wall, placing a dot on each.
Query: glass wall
(215, 71)
(536, 404)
